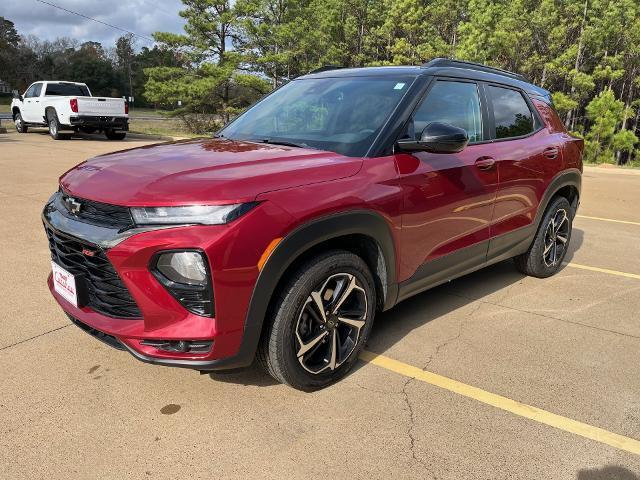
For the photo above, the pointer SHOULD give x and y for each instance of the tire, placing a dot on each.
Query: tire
(20, 126)
(113, 135)
(54, 125)
(549, 247)
(296, 323)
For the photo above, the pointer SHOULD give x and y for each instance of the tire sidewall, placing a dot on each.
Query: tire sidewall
(537, 249)
(286, 319)
(53, 122)
(19, 123)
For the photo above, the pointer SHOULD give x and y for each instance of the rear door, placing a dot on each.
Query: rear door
(525, 153)
(449, 198)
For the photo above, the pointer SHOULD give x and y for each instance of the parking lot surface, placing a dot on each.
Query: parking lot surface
(494, 375)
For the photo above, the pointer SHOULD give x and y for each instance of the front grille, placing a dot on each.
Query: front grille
(106, 292)
(97, 213)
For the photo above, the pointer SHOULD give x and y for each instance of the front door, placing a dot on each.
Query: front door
(31, 104)
(448, 198)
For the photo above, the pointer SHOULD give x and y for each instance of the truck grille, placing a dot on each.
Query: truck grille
(107, 294)
(97, 213)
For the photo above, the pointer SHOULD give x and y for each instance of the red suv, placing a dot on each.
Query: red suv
(338, 195)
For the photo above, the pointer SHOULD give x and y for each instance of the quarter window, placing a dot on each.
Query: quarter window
(455, 103)
(510, 112)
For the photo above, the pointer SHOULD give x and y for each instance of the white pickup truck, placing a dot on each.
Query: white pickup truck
(69, 106)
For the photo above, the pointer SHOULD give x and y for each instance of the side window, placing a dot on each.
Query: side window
(38, 89)
(30, 92)
(511, 112)
(455, 103)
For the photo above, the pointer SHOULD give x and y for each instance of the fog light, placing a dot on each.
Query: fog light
(183, 267)
(185, 274)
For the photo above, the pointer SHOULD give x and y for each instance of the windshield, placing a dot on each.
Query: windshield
(342, 115)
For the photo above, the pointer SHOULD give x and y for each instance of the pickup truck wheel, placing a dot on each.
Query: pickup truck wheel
(20, 126)
(54, 125)
(320, 322)
(551, 242)
(113, 135)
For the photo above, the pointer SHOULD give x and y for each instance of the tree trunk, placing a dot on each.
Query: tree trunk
(578, 56)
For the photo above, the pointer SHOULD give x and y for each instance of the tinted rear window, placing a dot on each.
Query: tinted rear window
(511, 113)
(67, 90)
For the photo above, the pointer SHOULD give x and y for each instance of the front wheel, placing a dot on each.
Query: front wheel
(551, 242)
(113, 135)
(19, 122)
(320, 322)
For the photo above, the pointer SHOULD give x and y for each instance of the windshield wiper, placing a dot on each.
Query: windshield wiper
(283, 142)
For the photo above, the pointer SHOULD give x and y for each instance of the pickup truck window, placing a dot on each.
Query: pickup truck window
(33, 91)
(66, 90)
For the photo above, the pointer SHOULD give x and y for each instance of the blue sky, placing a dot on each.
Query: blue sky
(139, 16)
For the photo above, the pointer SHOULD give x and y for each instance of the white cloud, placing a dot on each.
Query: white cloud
(142, 17)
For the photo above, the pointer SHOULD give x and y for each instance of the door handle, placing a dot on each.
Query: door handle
(551, 152)
(485, 163)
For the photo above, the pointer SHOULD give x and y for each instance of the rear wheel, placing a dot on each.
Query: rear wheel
(20, 125)
(320, 322)
(54, 125)
(113, 135)
(551, 242)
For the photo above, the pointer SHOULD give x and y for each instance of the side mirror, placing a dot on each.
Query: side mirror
(437, 137)
(17, 95)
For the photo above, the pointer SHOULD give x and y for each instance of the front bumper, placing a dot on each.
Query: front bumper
(103, 122)
(233, 262)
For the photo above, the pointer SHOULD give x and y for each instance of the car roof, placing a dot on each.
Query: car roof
(439, 67)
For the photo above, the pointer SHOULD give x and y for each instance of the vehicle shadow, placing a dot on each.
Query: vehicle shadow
(577, 238)
(392, 326)
(609, 472)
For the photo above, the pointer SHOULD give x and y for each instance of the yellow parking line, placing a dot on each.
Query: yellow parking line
(608, 220)
(521, 409)
(604, 270)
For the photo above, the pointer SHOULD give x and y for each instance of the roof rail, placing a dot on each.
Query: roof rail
(325, 68)
(448, 62)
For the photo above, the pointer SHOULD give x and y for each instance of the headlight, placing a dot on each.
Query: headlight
(199, 214)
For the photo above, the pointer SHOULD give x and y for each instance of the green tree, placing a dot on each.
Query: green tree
(211, 80)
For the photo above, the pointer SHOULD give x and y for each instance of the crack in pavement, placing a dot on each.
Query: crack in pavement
(404, 392)
(34, 337)
(550, 317)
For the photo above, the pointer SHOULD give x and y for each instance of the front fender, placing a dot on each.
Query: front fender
(300, 240)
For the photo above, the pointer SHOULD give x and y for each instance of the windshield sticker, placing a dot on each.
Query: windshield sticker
(399, 86)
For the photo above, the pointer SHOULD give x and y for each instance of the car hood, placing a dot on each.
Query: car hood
(204, 171)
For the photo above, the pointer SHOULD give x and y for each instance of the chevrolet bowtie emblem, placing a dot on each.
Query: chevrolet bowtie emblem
(72, 205)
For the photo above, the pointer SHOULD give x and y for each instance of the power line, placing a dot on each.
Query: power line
(96, 20)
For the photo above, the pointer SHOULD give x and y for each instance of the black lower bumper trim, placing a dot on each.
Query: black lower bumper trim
(103, 337)
(117, 123)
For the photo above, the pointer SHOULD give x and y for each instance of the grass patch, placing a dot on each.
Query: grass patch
(147, 112)
(5, 104)
(166, 128)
